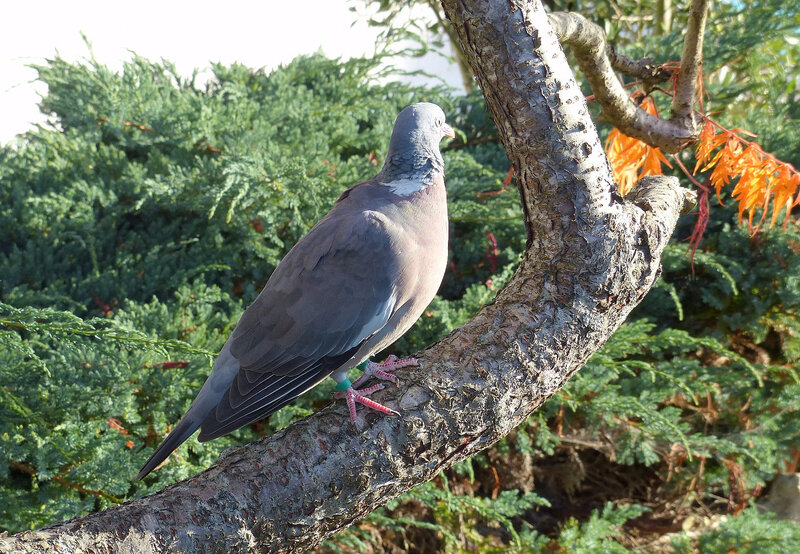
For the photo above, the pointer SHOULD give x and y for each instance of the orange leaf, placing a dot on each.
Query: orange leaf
(652, 162)
(114, 423)
(707, 142)
(726, 162)
(761, 179)
(784, 185)
(632, 159)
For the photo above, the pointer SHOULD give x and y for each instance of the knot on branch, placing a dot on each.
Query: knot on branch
(656, 193)
(646, 69)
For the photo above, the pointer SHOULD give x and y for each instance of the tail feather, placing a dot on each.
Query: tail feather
(180, 433)
(225, 369)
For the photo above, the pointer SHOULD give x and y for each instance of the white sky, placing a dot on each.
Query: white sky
(190, 34)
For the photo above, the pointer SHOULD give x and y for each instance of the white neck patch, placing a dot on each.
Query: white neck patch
(407, 187)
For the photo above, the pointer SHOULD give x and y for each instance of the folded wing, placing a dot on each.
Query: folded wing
(334, 290)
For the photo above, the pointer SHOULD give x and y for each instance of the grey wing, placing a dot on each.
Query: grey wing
(335, 289)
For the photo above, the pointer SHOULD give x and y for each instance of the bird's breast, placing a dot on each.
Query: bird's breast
(417, 226)
(424, 257)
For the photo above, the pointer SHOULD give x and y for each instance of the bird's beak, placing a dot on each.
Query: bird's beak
(448, 131)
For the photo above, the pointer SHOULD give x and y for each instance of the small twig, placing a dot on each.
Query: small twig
(469, 142)
(30, 470)
(688, 174)
(587, 444)
(138, 126)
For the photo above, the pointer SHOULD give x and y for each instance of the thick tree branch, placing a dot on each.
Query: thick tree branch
(591, 257)
(588, 42)
(598, 61)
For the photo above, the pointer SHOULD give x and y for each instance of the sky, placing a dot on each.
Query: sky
(190, 34)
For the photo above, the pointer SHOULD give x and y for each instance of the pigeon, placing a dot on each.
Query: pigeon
(349, 288)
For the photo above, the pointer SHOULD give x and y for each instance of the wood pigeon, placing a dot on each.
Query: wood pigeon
(349, 288)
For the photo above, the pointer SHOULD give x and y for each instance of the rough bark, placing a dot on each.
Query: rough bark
(591, 257)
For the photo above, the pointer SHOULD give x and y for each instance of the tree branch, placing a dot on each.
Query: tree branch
(598, 61)
(590, 259)
(458, 54)
(691, 60)
(644, 69)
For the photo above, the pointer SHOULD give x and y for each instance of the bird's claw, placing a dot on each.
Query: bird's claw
(352, 396)
(382, 370)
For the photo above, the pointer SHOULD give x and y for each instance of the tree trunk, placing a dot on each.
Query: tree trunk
(591, 257)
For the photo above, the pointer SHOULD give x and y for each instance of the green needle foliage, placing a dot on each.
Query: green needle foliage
(140, 223)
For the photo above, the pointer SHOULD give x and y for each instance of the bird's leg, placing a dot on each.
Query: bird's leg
(347, 390)
(352, 396)
(381, 371)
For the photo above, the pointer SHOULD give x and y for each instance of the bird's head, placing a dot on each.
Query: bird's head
(419, 128)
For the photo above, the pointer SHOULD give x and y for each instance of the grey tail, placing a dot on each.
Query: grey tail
(225, 369)
(180, 433)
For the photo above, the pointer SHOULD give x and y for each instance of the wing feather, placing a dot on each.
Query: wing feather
(334, 290)
(274, 393)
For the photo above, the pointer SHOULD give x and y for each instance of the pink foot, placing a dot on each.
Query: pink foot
(348, 391)
(381, 371)
(352, 396)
